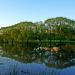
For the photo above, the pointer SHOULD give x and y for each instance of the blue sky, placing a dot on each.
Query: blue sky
(14, 11)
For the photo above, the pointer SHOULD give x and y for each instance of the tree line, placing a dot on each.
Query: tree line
(58, 28)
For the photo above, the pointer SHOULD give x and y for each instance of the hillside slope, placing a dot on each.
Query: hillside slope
(52, 29)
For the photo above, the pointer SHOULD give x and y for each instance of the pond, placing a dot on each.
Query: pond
(21, 60)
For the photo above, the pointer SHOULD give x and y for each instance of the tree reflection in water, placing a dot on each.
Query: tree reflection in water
(28, 54)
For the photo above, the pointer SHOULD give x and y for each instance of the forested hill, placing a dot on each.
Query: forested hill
(51, 29)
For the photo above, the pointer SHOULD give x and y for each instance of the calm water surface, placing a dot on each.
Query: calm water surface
(19, 60)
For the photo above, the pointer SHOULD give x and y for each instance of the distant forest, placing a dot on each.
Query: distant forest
(57, 29)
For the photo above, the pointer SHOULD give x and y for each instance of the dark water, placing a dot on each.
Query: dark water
(22, 60)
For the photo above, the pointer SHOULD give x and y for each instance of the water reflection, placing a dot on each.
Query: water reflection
(12, 67)
(25, 54)
(36, 60)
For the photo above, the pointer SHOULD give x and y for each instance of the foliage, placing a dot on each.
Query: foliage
(58, 28)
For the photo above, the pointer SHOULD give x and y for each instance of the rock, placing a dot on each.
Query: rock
(55, 49)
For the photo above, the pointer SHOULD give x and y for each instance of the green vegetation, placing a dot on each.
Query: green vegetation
(54, 29)
(51, 42)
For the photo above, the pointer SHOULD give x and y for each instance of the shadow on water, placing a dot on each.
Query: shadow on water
(22, 59)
